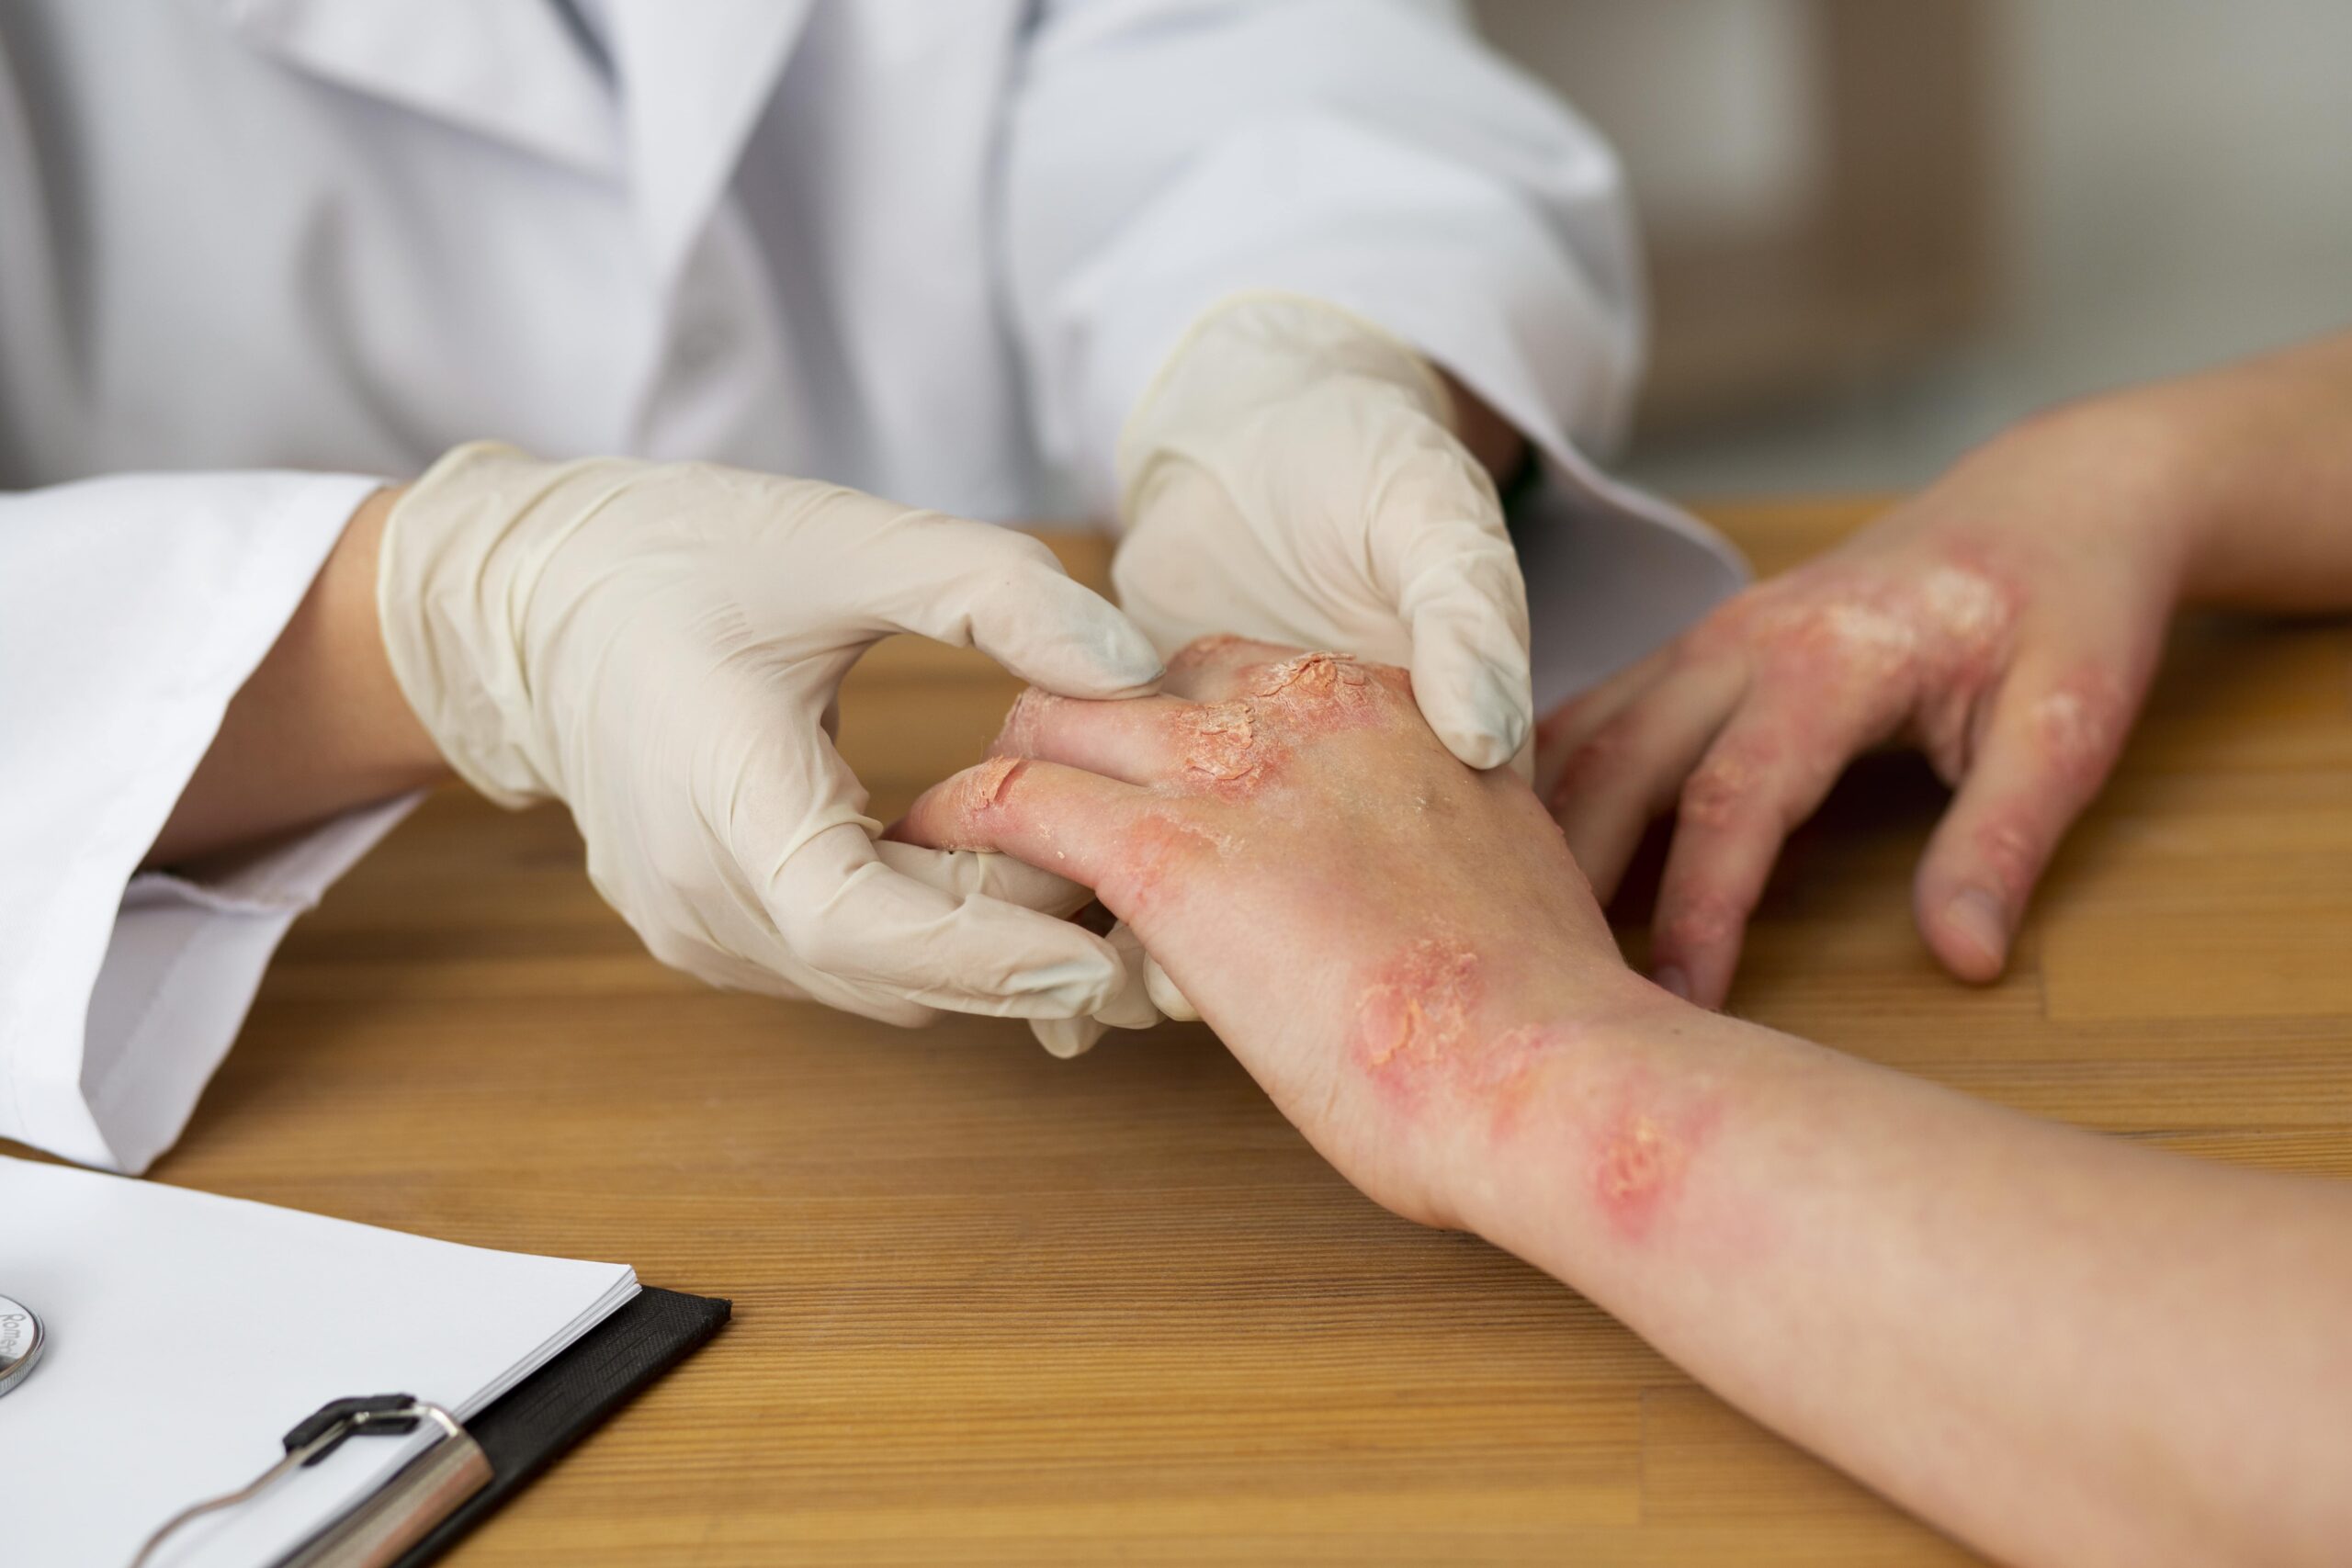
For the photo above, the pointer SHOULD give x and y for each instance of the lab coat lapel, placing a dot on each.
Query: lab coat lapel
(694, 79)
(507, 69)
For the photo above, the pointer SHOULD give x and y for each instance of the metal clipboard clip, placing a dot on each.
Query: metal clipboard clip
(387, 1522)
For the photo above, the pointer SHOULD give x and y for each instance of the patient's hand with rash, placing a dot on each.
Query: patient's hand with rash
(1382, 935)
(2131, 1357)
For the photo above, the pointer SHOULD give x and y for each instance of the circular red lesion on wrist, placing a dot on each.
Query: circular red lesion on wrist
(1427, 1039)
(1643, 1144)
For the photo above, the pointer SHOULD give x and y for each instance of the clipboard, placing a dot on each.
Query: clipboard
(471, 1469)
(534, 1423)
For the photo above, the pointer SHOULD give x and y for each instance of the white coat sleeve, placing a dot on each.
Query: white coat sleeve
(131, 610)
(1163, 153)
(1370, 152)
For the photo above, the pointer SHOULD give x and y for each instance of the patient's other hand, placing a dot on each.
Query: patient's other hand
(1363, 919)
(2006, 622)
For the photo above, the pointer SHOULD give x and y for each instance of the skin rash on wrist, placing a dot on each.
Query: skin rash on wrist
(1475, 1049)
(1426, 1039)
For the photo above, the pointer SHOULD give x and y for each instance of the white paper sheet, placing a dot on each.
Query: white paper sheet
(188, 1332)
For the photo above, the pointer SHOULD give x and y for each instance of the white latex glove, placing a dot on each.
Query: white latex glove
(1292, 474)
(659, 645)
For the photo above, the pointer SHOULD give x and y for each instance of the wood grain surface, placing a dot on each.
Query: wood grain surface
(995, 1308)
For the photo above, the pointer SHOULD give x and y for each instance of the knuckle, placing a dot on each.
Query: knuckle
(1702, 918)
(1715, 795)
(1723, 790)
(2079, 726)
(1746, 617)
(1151, 859)
(2011, 851)
(1202, 651)
(1602, 755)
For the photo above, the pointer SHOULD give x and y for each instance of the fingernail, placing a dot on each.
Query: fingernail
(1979, 919)
(1669, 976)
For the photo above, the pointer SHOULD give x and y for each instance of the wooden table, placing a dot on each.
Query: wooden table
(993, 1307)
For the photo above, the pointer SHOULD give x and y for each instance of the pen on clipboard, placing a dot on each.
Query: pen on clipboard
(396, 1516)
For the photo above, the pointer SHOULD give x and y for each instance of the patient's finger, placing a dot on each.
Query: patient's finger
(1766, 772)
(1140, 740)
(1559, 734)
(1061, 819)
(2051, 739)
(1629, 770)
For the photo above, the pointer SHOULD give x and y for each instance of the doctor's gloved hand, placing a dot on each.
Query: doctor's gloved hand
(1293, 475)
(660, 646)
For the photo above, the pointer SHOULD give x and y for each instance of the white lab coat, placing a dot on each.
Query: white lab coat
(255, 254)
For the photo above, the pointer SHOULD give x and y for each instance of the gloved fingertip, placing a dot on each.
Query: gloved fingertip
(1165, 996)
(1056, 633)
(1117, 661)
(1072, 988)
(1505, 702)
(1477, 749)
(1067, 1037)
(1134, 658)
(1482, 714)
(1491, 740)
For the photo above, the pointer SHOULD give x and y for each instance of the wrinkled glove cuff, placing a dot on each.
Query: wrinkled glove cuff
(1255, 350)
(454, 579)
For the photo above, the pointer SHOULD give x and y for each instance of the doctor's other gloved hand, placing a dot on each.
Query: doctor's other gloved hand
(660, 646)
(1294, 474)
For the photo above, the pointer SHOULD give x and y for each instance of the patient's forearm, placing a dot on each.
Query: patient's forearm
(318, 727)
(2263, 452)
(2060, 1347)
(2067, 1348)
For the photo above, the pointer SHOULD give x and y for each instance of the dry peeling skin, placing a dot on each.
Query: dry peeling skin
(1416, 1013)
(1418, 1037)
(1323, 691)
(1417, 1032)
(2080, 724)
(1967, 605)
(1952, 621)
(1018, 735)
(979, 793)
(1642, 1148)
(1235, 747)
(1223, 746)
(1637, 1171)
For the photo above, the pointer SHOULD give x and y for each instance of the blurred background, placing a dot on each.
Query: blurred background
(1880, 230)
